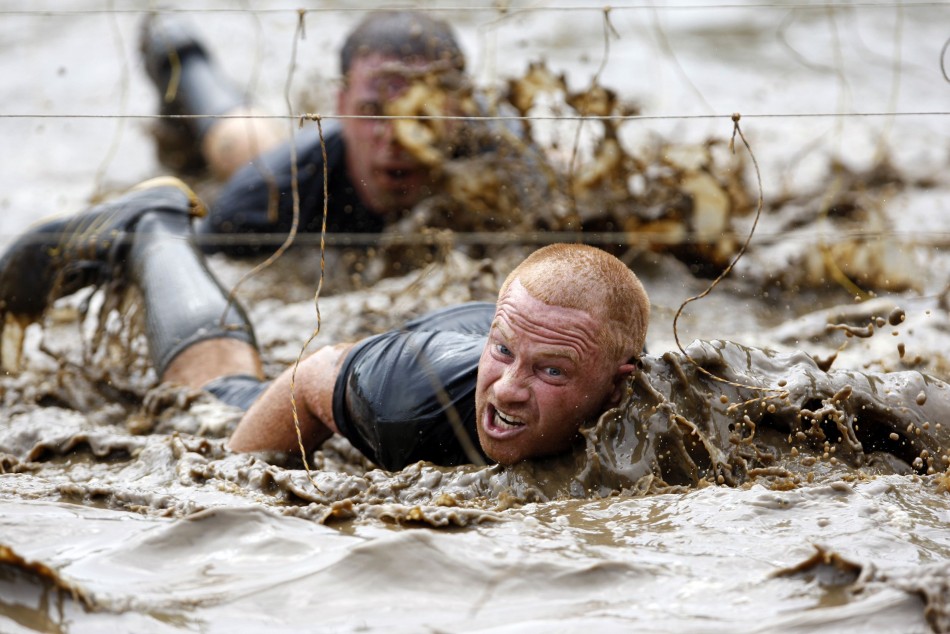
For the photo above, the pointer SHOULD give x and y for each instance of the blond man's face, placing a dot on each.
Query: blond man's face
(542, 374)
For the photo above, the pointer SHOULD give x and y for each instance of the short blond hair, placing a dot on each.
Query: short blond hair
(590, 279)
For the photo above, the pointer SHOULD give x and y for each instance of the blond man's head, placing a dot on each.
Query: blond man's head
(590, 279)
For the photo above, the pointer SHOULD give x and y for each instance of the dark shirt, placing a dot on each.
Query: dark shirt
(243, 207)
(405, 395)
(409, 395)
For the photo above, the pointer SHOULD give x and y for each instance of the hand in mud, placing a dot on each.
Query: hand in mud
(162, 400)
(169, 395)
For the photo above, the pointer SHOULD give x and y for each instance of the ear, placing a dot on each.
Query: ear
(620, 383)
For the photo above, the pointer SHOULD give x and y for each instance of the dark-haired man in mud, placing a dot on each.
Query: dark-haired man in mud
(506, 381)
(372, 178)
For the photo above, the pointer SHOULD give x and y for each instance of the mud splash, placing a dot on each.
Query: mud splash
(773, 419)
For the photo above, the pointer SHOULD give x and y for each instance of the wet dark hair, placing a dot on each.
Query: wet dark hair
(405, 34)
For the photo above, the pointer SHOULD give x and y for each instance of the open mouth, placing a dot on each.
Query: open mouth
(507, 422)
(499, 424)
(399, 179)
(399, 173)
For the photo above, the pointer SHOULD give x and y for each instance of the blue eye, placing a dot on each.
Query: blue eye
(554, 371)
(503, 349)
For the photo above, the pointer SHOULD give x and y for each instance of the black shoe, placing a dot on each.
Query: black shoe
(165, 42)
(59, 257)
(186, 77)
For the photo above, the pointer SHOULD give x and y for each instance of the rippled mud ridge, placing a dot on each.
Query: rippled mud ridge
(776, 419)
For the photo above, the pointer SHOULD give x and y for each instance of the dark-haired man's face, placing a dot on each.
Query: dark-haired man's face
(388, 179)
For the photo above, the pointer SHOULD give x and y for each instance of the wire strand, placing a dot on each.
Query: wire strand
(779, 6)
(610, 118)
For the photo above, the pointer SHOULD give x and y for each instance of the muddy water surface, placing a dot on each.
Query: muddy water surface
(798, 494)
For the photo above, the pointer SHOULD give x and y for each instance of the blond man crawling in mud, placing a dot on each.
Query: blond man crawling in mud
(504, 382)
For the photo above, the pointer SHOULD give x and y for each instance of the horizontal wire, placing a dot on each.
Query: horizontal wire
(534, 237)
(492, 9)
(934, 239)
(313, 116)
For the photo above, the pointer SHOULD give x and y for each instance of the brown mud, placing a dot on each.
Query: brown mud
(786, 472)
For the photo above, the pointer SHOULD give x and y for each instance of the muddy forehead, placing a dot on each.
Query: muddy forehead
(382, 72)
(519, 312)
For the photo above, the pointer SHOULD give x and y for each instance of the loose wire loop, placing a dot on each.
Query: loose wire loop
(316, 299)
(779, 393)
(301, 32)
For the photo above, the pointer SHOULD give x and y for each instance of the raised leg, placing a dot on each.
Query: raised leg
(195, 335)
(190, 83)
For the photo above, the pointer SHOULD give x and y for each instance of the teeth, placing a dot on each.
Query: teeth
(506, 421)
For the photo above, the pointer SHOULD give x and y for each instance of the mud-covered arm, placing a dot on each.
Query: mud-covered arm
(269, 424)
